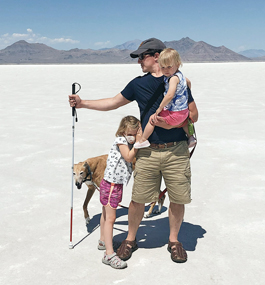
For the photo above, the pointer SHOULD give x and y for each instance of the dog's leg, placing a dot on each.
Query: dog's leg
(90, 192)
(159, 208)
(160, 204)
(150, 211)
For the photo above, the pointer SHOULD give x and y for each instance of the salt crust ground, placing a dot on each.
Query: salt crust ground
(223, 230)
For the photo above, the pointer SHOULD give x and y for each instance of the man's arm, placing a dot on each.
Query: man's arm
(100, 104)
(193, 111)
(188, 82)
(192, 106)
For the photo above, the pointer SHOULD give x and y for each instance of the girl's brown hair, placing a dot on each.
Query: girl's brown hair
(127, 122)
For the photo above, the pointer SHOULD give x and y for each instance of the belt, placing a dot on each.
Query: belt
(163, 145)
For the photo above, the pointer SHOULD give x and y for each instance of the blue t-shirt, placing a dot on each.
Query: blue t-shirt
(141, 89)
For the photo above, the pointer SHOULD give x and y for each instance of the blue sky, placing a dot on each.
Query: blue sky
(63, 24)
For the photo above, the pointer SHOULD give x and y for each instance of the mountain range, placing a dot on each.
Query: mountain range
(22, 52)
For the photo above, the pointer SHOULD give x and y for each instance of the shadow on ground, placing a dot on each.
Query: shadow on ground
(154, 233)
(151, 233)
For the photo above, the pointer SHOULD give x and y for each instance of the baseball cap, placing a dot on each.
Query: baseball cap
(151, 43)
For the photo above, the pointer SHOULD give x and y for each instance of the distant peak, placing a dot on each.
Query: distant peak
(21, 42)
(188, 39)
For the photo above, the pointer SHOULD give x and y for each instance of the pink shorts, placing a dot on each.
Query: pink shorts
(110, 193)
(174, 118)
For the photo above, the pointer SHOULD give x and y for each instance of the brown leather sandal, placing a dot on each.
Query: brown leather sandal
(178, 253)
(126, 249)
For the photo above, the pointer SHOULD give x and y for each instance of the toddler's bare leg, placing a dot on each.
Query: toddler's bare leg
(147, 132)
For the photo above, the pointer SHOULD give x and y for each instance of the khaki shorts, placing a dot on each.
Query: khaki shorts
(173, 164)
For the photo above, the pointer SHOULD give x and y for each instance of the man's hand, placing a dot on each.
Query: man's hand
(75, 101)
(153, 119)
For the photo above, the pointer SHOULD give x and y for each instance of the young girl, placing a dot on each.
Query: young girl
(173, 110)
(118, 172)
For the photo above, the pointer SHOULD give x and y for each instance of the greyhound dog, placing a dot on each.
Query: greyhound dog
(91, 172)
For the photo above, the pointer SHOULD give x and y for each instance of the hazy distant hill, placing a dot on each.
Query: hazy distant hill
(23, 52)
(131, 45)
(253, 53)
(262, 58)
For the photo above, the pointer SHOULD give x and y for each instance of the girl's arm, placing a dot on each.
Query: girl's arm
(129, 154)
(173, 83)
(126, 153)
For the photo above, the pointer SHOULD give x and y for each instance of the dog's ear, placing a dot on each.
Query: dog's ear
(86, 165)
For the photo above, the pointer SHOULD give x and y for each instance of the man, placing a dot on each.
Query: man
(167, 156)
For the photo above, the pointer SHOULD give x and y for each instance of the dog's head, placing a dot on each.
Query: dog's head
(82, 173)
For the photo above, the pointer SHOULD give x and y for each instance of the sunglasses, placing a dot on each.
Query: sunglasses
(142, 55)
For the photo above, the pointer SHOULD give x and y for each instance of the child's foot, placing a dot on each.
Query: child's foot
(141, 144)
(114, 261)
(192, 141)
(101, 245)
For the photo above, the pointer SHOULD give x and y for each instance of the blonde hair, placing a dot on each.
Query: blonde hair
(169, 57)
(127, 122)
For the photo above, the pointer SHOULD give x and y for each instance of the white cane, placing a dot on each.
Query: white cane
(74, 115)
